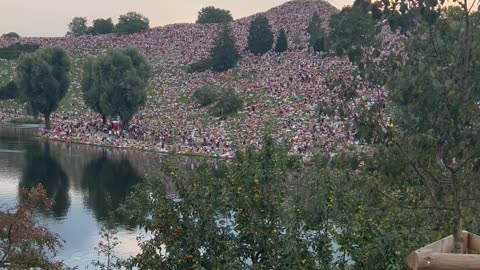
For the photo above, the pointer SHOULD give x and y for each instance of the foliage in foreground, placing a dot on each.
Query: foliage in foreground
(259, 213)
(14, 51)
(318, 40)
(24, 243)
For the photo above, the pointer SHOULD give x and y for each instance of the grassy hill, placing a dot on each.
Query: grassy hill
(284, 89)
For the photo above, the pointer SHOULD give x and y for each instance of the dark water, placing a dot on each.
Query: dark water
(86, 183)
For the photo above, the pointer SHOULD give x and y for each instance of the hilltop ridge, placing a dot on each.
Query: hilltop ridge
(293, 16)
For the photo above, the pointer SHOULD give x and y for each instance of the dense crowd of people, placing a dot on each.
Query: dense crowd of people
(282, 92)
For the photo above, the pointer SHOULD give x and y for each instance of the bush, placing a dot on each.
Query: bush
(205, 96)
(9, 91)
(14, 51)
(229, 103)
(200, 66)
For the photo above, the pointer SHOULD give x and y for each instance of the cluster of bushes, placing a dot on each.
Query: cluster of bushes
(9, 91)
(225, 103)
(14, 51)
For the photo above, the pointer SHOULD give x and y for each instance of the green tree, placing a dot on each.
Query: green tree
(253, 225)
(224, 55)
(317, 37)
(78, 26)
(132, 22)
(10, 35)
(119, 80)
(214, 15)
(282, 43)
(102, 27)
(228, 103)
(260, 36)
(92, 88)
(205, 96)
(43, 80)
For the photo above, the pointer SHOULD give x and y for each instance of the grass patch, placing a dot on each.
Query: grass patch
(184, 99)
(241, 116)
(26, 121)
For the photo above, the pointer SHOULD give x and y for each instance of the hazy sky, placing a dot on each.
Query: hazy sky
(51, 17)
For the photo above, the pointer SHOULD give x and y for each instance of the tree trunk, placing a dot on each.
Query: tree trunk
(458, 232)
(125, 124)
(47, 120)
(104, 119)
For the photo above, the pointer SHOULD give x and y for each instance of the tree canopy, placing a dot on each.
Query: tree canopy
(260, 36)
(78, 27)
(101, 27)
(132, 22)
(351, 29)
(282, 43)
(92, 88)
(224, 55)
(43, 80)
(10, 35)
(115, 84)
(214, 15)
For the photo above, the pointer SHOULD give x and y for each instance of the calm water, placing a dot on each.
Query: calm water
(85, 182)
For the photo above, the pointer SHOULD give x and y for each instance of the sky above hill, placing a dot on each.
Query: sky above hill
(51, 17)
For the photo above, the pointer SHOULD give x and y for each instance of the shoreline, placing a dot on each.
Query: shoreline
(132, 149)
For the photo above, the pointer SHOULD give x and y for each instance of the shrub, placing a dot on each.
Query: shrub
(205, 96)
(228, 103)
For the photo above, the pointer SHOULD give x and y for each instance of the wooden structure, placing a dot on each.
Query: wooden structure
(439, 256)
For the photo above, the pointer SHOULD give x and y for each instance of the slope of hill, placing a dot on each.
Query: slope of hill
(284, 91)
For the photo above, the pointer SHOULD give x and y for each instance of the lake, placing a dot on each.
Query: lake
(85, 182)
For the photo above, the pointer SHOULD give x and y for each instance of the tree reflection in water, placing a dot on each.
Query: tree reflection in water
(41, 167)
(107, 183)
